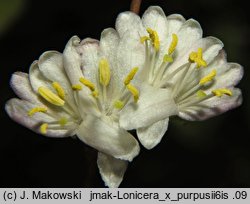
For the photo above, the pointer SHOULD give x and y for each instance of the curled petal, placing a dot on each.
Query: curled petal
(72, 61)
(108, 138)
(111, 169)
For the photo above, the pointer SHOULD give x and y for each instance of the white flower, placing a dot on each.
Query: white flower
(181, 73)
(80, 92)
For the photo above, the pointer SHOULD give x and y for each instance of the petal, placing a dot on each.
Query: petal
(154, 18)
(231, 77)
(108, 44)
(130, 54)
(153, 105)
(36, 77)
(189, 33)
(108, 138)
(151, 136)
(51, 66)
(89, 49)
(111, 169)
(108, 49)
(174, 23)
(211, 47)
(17, 110)
(72, 61)
(21, 86)
(129, 21)
(212, 107)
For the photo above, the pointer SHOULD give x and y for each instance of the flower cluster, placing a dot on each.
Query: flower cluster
(137, 76)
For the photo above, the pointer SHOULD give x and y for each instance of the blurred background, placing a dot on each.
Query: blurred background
(212, 153)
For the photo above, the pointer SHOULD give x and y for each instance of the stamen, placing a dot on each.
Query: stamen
(134, 91)
(130, 76)
(60, 91)
(208, 78)
(49, 96)
(144, 38)
(32, 111)
(118, 104)
(220, 92)
(77, 87)
(104, 72)
(63, 121)
(167, 58)
(87, 83)
(197, 58)
(201, 94)
(154, 38)
(173, 44)
(95, 93)
(43, 128)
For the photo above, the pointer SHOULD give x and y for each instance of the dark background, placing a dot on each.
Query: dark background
(212, 153)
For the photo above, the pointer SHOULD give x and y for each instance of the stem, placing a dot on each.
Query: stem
(135, 6)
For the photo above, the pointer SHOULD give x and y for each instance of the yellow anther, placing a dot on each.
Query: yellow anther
(49, 96)
(32, 111)
(154, 38)
(95, 93)
(77, 87)
(197, 58)
(118, 104)
(43, 128)
(59, 89)
(144, 38)
(201, 94)
(134, 91)
(87, 83)
(192, 56)
(130, 76)
(208, 78)
(63, 121)
(173, 44)
(104, 72)
(220, 92)
(167, 58)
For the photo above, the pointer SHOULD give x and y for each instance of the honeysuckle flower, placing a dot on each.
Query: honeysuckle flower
(79, 92)
(180, 73)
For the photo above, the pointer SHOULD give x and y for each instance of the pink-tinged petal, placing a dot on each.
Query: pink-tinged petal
(21, 86)
(108, 138)
(88, 50)
(151, 136)
(231, 77)
(212, 107)
(111, 169)
(18, 111)
(72, 60)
